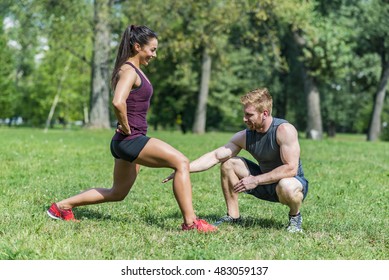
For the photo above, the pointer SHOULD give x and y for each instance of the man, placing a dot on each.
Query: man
(278, 176)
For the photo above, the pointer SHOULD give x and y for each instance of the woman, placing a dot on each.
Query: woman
(130, 146)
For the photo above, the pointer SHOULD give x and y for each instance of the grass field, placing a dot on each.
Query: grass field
(345, 213)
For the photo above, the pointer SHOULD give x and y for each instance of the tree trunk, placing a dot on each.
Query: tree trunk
(57, 95)
(99, 106)
(375, 122)
(201, 111)
(314, 121)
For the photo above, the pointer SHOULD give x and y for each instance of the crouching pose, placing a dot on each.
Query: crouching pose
(278, 174)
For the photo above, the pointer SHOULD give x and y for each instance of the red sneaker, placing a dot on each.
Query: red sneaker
(58, 214)
(200, 225)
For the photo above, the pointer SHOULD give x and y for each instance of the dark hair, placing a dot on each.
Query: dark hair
(132, 35)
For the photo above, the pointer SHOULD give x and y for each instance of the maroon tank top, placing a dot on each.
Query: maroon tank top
(138, 103)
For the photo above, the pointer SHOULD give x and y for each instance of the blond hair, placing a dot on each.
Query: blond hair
(260, 98)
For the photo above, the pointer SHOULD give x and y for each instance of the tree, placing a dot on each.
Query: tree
(201, 109)
(211, 22)
(99, 101)
(42, 36)
(63, 73)
(7, 86)
(192, 36)
(375, 34)
(23, 36)
(379, 98)
(337, 48)
(324, 37)
(304, 38)
(57, 94)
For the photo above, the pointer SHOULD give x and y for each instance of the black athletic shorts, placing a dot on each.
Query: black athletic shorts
(128, 149)
(268, 192)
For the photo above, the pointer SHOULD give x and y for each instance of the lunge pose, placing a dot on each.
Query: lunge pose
(130, 146)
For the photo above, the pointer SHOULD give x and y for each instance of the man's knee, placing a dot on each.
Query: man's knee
(226, 166)
(234, 168)
(289, 189)
(231, 164)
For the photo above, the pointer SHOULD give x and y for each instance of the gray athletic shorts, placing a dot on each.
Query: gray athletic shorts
(268, 192)
(128, 149)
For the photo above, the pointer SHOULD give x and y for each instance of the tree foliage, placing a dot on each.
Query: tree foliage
(251, 44)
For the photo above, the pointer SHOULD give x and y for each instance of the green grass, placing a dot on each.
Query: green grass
(345, 213)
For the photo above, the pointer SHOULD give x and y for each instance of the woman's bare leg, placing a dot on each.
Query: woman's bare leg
(124, 176)
(157, 153)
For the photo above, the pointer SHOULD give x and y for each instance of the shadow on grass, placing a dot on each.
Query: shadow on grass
(158, 220)
(162, 220)
(88, 214)
(247, 222)
(251, 222)
(85, 213)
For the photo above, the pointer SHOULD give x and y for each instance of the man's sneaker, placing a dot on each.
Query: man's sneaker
(227, 219)
(200, 225)
(295, 223)
(56, 213)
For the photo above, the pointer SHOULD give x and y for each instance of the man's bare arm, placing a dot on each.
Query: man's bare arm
(221, 154)
(218, 155)
(287, 138)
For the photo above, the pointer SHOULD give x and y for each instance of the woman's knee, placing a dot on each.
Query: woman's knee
(117, 195)
(181, 163)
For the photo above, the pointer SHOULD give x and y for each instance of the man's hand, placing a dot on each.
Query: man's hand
(167, 179)
(246, 184)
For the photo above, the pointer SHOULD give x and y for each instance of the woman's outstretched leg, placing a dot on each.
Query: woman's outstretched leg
(124, 176)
